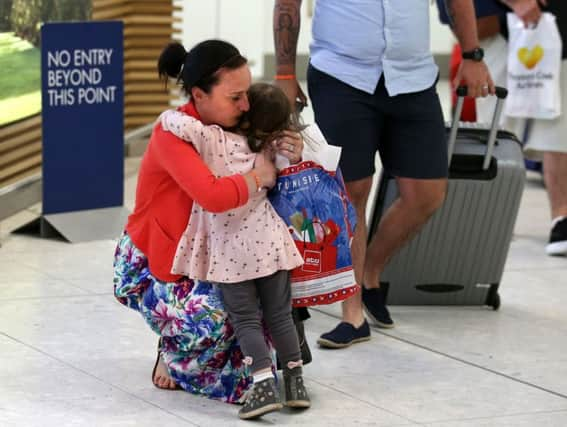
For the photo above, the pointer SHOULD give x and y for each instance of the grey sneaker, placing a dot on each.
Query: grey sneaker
(263, 398)
(295, 392)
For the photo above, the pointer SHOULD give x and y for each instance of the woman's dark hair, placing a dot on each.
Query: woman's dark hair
(199, 67)
(269, 114)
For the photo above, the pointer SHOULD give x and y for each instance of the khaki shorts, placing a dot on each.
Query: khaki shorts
(538, 135)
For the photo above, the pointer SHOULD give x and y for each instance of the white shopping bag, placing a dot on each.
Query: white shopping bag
(534, 63)
(318, 150)
(315, 149)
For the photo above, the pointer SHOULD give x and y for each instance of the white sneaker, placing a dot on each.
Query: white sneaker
(558, 238)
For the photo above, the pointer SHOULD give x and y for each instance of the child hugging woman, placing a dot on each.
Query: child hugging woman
(247, 251)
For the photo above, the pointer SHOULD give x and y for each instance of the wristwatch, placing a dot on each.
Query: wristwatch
(476, 54)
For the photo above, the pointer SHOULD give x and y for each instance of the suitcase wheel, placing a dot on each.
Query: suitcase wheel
(495, 301)
(493, 297)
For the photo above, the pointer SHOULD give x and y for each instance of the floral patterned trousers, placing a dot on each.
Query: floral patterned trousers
(198, 344)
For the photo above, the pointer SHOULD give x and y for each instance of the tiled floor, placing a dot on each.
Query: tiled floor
(72, 356)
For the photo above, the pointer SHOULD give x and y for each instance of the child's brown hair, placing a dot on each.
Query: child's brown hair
(269, 114)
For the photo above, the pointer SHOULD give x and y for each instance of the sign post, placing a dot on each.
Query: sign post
(83, 130)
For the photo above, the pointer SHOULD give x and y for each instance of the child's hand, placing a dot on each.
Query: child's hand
(265, 169)
(163, 119)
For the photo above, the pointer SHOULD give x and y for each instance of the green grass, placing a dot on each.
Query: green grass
(20, 78)
(18, 107)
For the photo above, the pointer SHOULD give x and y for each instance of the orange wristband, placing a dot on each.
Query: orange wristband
(284, 77)
(256, 180)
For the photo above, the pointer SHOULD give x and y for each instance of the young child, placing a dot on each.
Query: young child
(247, 251)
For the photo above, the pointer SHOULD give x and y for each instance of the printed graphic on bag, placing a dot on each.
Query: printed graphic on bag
(312, 261)
(315, 207)
(534, 63)
(530, 57)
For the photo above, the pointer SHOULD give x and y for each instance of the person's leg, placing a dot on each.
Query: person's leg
(546, 141)
(275, 298)
(552, 141)
(180, 313)
(241, 302)
(413, 149)
(131, 281)
(300, 315)
(358, 192)
(191, 321)
(348, 118)
(555, 176)
(418, 200)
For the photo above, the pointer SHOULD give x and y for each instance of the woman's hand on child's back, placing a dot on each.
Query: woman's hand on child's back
(290, 145)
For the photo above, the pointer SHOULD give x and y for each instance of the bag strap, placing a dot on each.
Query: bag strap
(324, 242)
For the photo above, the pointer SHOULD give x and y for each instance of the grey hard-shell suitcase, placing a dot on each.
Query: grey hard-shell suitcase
(458, 256)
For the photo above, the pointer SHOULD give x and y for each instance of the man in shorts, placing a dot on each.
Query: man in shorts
(371, 80)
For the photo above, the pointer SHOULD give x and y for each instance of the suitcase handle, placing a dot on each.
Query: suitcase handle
(501, 94)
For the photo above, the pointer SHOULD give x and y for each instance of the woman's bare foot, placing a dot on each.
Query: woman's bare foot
(161, 378)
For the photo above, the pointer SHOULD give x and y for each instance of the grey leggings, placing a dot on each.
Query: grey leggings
(241, 302)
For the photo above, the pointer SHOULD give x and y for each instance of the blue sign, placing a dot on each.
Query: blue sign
(82, 88)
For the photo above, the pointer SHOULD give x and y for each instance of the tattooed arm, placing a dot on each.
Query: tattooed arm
(286, 32)
(473, 74)
(463, 22)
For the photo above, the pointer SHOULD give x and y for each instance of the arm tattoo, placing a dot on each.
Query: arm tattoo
(286, 30)
(463, 22)
(450, 12)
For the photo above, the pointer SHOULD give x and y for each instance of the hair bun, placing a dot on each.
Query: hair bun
(171, 60)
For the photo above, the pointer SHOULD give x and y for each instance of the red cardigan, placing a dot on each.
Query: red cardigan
(171, 176)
